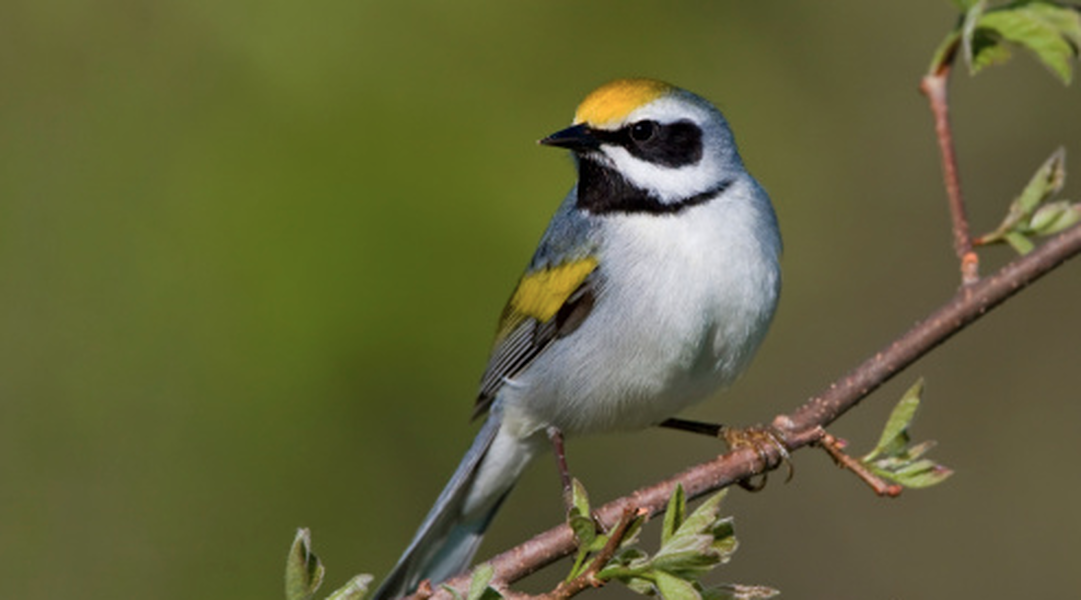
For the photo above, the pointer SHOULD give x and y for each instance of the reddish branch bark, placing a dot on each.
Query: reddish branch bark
(934, 86)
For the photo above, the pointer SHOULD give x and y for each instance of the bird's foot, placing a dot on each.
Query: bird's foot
(769, 446)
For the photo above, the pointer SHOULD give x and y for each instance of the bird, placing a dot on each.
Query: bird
(651, 289)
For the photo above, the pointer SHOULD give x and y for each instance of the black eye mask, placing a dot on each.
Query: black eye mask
(673, 145)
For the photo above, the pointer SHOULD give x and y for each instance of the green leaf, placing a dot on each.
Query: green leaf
(894, 436)
(703, 540)
(914, 468)
(690, 557)
(585, 530)
(1019, 242)
(725, 542)
(970, 44)
(1066, 19)
(920, 449)
(481, 576)
(1021, 219)
(691, 545)
(579, 497)
(356, 589)
(478, 585)
(944, 52)
(630, 536)
(986, 51)
(303, 570)
(1054, 217)
(590, 541)
(894, 458)
(920, 474)
(629, 559)
(1047, 181)
(703, 517)
(580, 520)
(1050, 32)
(923, 477)
(674, 514)
(735, 591)
(674, 588)
(640, 586)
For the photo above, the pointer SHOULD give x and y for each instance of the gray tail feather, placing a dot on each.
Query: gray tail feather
(446, 541)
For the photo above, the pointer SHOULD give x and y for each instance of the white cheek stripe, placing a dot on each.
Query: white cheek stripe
(668, 184)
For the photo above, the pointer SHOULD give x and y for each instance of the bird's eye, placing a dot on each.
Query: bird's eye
(642, 131)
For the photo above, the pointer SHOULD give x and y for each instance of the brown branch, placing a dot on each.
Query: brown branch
(933, 85)
(804, 425)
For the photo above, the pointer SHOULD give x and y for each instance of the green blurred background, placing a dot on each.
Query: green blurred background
(252, 254)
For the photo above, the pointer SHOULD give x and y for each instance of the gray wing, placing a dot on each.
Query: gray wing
(571, 236)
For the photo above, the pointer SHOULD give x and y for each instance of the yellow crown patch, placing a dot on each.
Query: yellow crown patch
(613, 101)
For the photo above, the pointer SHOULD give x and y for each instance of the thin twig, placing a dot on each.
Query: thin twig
(934, 86)
(588, 578)
(801, 427)
(835, 448)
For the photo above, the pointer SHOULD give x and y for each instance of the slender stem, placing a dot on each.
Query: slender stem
(934, 86)
(835, 448)
(588, 578)
(555, 436)
(803, 426)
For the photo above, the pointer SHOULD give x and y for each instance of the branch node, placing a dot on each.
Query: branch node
(970, 268)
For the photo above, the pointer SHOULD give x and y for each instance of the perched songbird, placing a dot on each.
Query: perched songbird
(651, 290)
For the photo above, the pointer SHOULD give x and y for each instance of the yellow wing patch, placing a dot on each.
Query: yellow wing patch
(541, 293)
(613, 101)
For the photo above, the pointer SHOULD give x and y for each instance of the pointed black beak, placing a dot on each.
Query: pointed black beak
(576, 137)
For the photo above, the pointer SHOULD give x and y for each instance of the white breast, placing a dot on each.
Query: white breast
(687, 300)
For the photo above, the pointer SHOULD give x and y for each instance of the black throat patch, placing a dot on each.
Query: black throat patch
(603, 190)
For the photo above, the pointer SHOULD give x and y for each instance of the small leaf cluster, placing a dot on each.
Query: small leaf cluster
(895, 459)
(591, 541)
(479, 588)
(1049, 30)
(691, 546)
(1037, 212)
(304, 574)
